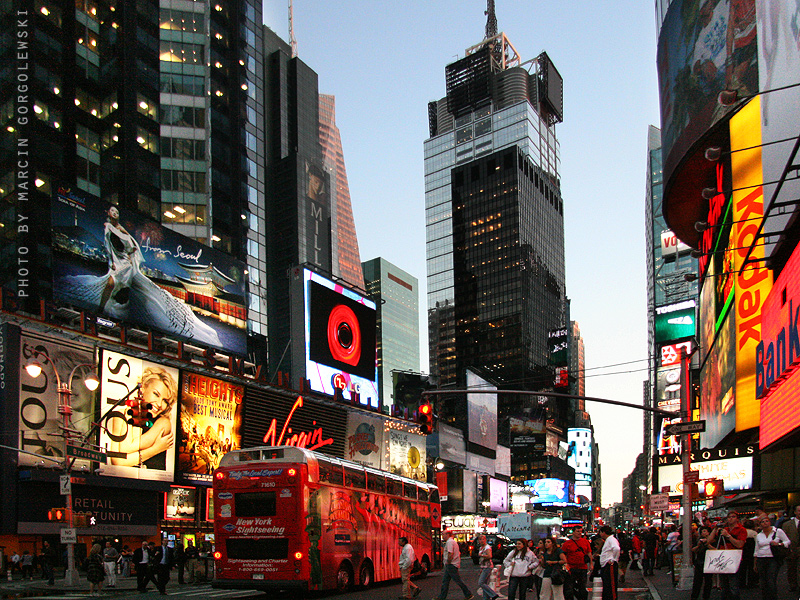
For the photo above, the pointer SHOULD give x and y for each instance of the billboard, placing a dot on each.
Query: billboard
(733, 465)
(527, 432)
(364, 440)
(180, 503)
(407, 455)
(778, 356)
(451, 444)
(753, 283)
(675, 321)
(705, 50)
(778, 65)
(210, 424)
(133, 451)
(671, 246)
(718, 386)
(498, 495)
(503, 461)
(340, 339)
(482, 412)
(39, 420)
(579, 454)
(122, 265)
(548, 490)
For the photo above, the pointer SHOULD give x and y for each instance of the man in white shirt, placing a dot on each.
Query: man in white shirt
(406, 563)
(609, 563)
(452, 562)
(792, 529)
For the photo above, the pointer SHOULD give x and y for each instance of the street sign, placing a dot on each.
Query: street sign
(659, 502)
(69, 536)
(691, 477)
(87, 453)
(687, 427)
(65, 485)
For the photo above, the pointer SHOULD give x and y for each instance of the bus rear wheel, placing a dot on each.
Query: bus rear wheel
(344, 578)
(365, 575)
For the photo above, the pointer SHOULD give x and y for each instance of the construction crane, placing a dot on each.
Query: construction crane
(491, 20)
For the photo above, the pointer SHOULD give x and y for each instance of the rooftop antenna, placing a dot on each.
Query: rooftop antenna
(491, 20)
(292, 41)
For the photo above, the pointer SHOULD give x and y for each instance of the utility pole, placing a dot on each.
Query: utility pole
(687, 571)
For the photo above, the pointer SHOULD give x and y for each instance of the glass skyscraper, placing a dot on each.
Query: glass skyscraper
(396, 294)
(495, 220)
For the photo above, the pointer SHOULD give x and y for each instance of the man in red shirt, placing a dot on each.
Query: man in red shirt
(578, 551)
(729, 535)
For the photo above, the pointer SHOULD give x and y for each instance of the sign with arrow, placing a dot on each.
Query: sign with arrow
(687, 427)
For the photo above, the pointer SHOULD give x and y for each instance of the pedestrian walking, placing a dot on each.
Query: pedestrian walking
(452, 563)
(15, 558)
(625, 550)
(406, 563)
(125, 559)
(110, 558)
(95, 572)
(553, 577)
(730, 535)
(767, 563)
(47, 559)
(486, 565)
(27, 565)
(578, 551)
(180, 562)
(651, 541)
(791, 527)
(141, 558)
(609, 562)
(163, 559)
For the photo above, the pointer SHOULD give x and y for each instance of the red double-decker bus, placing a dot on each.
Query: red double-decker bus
(289, 518)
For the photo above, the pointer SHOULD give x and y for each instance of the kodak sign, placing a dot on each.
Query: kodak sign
(754, 282)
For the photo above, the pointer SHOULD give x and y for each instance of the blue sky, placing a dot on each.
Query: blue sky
(384, 61)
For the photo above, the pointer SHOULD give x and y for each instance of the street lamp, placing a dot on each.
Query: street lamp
(34, 369)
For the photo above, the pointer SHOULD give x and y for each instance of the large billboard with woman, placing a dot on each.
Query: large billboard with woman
(138, 452)
(122, 265)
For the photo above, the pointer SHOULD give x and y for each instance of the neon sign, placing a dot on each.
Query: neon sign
(309, 440)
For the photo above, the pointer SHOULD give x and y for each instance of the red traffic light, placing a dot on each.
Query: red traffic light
(425, 418)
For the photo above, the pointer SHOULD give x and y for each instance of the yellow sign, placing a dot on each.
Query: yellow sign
(754, 282)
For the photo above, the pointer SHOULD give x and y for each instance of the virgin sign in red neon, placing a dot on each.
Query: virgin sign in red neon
(311, 440)
(778, 356)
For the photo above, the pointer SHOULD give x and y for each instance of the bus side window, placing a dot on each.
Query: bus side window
(394, 486)
(354, 478)
(376, 483)
(330, 472)
(409, 490)
(434, 495)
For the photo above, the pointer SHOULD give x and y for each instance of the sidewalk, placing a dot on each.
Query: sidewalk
(124, 585)
(661, 588)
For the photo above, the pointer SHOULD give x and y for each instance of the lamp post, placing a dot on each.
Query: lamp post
(91, 381)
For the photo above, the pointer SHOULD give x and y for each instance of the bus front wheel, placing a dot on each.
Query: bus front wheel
(365, 575)
(344, 578)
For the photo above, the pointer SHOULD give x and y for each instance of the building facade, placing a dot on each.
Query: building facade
(494, 219)
(396, 294)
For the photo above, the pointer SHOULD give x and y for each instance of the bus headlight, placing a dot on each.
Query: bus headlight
(217, 555)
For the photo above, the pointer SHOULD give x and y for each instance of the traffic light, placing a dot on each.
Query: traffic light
(425, 418)
(713, 487)
(134, 412)
(139, 414)
(57, 514)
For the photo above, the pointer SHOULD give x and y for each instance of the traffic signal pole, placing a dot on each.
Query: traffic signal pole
(687, 571)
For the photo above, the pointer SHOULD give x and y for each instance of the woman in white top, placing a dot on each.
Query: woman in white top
(519, 564)
(766, 564)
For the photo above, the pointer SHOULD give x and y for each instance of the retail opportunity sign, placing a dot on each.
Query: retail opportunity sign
(734, 466)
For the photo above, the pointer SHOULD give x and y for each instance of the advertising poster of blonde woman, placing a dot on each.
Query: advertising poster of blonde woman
(210, 424)
(138, 452)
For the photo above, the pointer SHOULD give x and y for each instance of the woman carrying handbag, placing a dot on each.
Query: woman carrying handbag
(772, 546)
(553, 577)
(518, 566)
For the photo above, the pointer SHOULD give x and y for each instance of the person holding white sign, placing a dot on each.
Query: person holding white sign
(726, 536)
